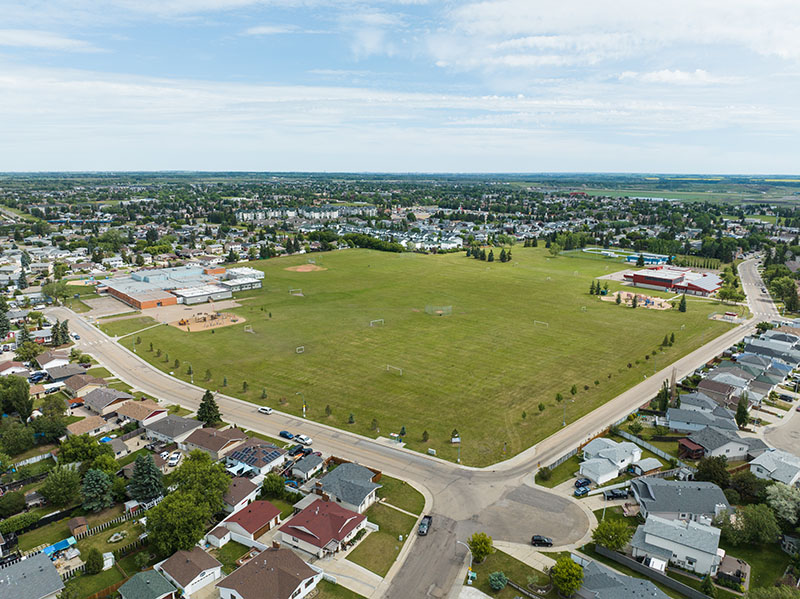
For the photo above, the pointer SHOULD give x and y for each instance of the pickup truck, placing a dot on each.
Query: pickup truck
(424, 525)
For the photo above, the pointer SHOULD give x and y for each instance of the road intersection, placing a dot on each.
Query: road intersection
(500, 499)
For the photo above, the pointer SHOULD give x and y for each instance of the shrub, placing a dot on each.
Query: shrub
(498, 581)
(94, 561)
(545, 473)
(18, 522)
(11, 503)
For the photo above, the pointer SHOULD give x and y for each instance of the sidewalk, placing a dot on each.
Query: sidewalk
(527, 554)
(350, 575)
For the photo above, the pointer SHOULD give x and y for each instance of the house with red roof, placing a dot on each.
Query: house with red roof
(252, 521)
(323, 528)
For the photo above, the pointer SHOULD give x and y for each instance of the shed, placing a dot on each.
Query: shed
(77, 525)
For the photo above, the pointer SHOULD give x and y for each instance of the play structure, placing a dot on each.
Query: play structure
(207, 320)
(642, 301)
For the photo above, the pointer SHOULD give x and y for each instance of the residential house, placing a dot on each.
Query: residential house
(275, 573)
(307, 467)
(141, 412)
(604, 459)
(7, 542)
(105, 400)
(351, 485)
(645, 466)
(721, 393)
(777, 465)
(190, 571)
(80, 385)
(323, 528)
(11, 367)
(171, 429)
(62, 373)
(256, 456)
(717, 442)
(161, 464)
(600, 582)
(241, 492)
(679, 500)
(215, 442)
(697, 401)
(690, 420)
(91, 425)
(119, 448)
(32, 578)
(684, 543)
(52, 358)
(149, 584)
(252, 521)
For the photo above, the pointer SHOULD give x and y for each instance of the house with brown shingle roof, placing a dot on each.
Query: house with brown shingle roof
(241, 492)
(141, 412)
(190, 571)
(52, 358)
(215, 442)
(275, 573)
(81, 384)
(323, 528)
(252, 521)
(92, 425)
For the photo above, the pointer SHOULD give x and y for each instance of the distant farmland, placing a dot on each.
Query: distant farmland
(484, 370)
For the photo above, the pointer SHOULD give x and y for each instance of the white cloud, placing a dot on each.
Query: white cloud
(270, 30)
(678, 77)
(43, 40)
(371, 32)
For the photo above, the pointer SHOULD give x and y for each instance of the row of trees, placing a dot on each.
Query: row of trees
(479, 253)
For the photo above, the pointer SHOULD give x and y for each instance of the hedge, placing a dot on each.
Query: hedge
(18, 522)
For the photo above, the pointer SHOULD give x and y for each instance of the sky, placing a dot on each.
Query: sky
(683, 86)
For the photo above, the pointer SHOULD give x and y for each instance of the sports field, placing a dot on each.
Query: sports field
(484, 370)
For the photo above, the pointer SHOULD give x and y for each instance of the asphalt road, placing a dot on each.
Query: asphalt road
(499, 500)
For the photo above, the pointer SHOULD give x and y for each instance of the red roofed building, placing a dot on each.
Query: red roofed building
(252, 521)
(676, 279)
(324, 527)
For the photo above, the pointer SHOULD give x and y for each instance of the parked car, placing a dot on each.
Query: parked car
(615, 494)
(164, 455)
(295, 450)
(286, 435)
(425, 525)
(306, 451)
(264, 410)
(541, 541)
(76, 337)
(582, 482)
(51, 390)
(174, 459)
(581, 491)
(304, 439)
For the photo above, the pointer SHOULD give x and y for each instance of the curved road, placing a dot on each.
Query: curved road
(500, 500)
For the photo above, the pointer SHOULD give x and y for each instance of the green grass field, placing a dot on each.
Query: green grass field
(484, 370)
(379, 550)
(126, 326)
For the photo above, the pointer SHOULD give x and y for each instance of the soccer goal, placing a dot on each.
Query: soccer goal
(249, 329)
(541, 323)
(295, 292)
(300, 349)
(312, 261)
(394, 369)
(583, 308)
(439, 310)
(376, 322)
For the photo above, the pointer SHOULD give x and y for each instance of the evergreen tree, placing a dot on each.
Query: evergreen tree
(23, 336)
(665, 343)
(535, 242)
(508, 256)
(56, 334)
(94, 561)
(22, 282)
(491, 256)
(591, 288)
(483, 255)
(682, 305)
(742, 415)
(635, 301)
(146, 483)
(503, 255)
(5, 326)
(96, 490)
(64, 332)
(672, 338)
(619, 298)
(208, 412)
(640, 260)
(469, 252)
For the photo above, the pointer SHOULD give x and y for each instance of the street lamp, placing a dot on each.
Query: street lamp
(469, 550)
(304, 402)
(564, 419)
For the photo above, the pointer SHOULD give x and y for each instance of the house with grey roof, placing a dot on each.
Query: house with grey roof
(63, 372)
(679, 500)
(722, 442)
(32, 578)
(604, 459)
(600, 582)
(684, 543)
(350, 485)
(105, 400)
(686, 421)
(307, 467)
(777, 465)
(150, 584)
(171, 429)
(697, 401)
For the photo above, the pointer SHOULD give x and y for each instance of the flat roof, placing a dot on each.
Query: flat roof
(199, 291)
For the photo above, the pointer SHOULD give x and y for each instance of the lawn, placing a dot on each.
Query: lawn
(45, 535)
(228, 554)
(101, 539)
(87, 585)
(126, 326)
(76, 305)
(131, 457)
(285, 507)
(614, 513)
(767, 562)
(560, 473)
(128, 563)
(722, 593)
(378, 550)
(100, 372)
(445, 367)
(328, 590)
(514, 569)
(400, 494)
(268, 439)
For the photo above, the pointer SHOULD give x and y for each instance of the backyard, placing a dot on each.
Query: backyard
(401, 494)
(378, 550)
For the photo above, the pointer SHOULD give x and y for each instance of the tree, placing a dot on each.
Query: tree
(574, 389)
(146, 482)
(619, 298)
(22, 282)
(94, 561)
(640, 260)
(15, 396)
(612, 534)
(62, 486)
(177, 523)
(96, 490)
(555, 249)
(351, 419)
(274, 486)
(16, 438)
(425, 436)
(82, 448)
(682, 305)
(672, 338)
(784, 502)
(498, 581)
(751, 489)
(5, 462)
(5, 326)
(635, 427)
(707, 587)
(559, 397)
(480, 545)
(763, 327)
(754, 525)
(57, 290)
(715, 470)
(635, 301)
(665, 342)
(742, 415)
(201, 476)
(27, 350)
(567, 576)
(11, 503)
(105, 463)
(491, 256)
(208, 412)
(503, 255)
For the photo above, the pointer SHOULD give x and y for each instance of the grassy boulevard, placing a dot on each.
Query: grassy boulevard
(491, 370)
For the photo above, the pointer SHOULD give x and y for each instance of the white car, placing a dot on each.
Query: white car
(164, 455)
(303, 439)
(174, 459)
(264, 410)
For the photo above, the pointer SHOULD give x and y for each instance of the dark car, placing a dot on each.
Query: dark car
(581, 491)
(615, 494)
(286, 435)
(306, 451)
(582, 482)
(295, 450)
(424, 525)
(540, 541)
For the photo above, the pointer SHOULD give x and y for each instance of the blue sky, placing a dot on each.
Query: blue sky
(316, 85)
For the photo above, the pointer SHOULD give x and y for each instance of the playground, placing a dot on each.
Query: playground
(203, 321)
(642, 301)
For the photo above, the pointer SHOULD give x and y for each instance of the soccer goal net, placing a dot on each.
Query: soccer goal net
(378, 322)
(248, 329)
(295, 292)
(394, 369)
(439, 310)
(541, 323)
(300, 349)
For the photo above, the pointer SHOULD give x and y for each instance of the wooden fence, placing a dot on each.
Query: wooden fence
(105, 525)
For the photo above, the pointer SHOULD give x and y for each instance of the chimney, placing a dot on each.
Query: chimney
(276, 544)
